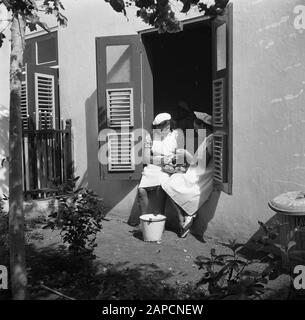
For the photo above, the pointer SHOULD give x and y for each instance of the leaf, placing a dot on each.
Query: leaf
(263, 226)
(186, 6)
(233, 245)
(2, 36)
(117, 5)
(44, 26)
(291, 244)
(63, 21)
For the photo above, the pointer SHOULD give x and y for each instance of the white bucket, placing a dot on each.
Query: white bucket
(152, 226)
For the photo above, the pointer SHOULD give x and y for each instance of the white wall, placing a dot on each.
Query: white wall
(269, 114)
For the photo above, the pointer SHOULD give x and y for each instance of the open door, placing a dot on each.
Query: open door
(124, 104)
(222, 99)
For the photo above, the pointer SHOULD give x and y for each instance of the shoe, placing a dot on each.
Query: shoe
(185, 229)
(188, 220)
(184, 233)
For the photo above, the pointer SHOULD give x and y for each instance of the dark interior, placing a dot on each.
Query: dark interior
(182, 69)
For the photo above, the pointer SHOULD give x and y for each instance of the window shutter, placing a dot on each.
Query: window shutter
(43, 101)
(219, 144)
(24, 106)
(222, 100)
(120, 105)
(121, 153)
(24, 100)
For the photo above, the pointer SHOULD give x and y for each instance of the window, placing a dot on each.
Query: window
(40, 98)
(46, 50)
(42, 50)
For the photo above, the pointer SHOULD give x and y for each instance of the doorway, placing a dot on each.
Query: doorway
(181, 65)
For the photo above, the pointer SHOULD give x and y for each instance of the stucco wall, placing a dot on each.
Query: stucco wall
(269, 122)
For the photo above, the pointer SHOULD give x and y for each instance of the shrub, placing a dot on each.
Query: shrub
(3, 225)
(78, 215)
(230, 274)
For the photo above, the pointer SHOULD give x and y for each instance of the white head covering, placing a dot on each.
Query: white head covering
(206, 118)
(161, 117)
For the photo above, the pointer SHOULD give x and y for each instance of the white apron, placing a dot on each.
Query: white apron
(153, 175)
(191, 189)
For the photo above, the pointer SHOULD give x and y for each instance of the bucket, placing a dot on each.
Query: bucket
(152, 226)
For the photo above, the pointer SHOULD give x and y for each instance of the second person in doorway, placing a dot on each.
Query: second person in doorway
(188, 191)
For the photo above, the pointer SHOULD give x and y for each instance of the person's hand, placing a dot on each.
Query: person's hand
(180, 156)
(167, 159)
(180, 151)
(184, 154)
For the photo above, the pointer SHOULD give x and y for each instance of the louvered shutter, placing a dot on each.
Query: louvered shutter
(43, 101)
(24, 101)
(120, 103)
(121, 152)
(222, 100)
(120, 107)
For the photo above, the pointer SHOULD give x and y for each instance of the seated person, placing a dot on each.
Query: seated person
(158, 151)
(188, 191)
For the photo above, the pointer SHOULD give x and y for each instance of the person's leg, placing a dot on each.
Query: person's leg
(185, 220)
(179, 212)
(143, 200)
(162, 196)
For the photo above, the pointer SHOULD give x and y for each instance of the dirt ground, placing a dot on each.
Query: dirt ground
(121, 244)
(172, 259)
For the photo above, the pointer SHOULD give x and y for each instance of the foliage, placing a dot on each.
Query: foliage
(159, 13)
(230, 274)
(282, 257)
(30, 10)
(78, 215)
(3, 224)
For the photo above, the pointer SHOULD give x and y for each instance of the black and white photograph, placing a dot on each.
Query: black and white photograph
(152, 151)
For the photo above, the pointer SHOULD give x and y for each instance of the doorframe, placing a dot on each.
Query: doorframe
(200, 20)
(183, 22)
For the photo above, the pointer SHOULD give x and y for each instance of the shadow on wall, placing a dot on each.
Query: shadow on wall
(4, 140)
(119, 195)
(287, 231)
